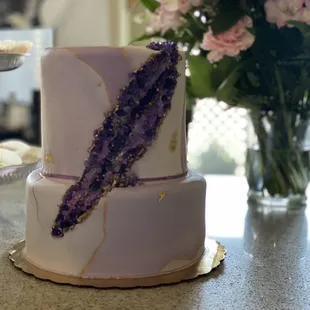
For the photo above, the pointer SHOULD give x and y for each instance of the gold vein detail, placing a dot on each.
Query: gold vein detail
(161, 195)
(104, 229)
(183, 141)
(97, 72)
(173, 142)
(125, 54)
(36, 200)
(48, 160)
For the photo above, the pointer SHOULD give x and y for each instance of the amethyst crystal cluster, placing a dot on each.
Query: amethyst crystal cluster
(124, 137)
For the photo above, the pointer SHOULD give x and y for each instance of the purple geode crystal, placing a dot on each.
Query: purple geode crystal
(124, 137)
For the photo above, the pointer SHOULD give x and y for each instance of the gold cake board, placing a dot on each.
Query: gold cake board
(214, 254)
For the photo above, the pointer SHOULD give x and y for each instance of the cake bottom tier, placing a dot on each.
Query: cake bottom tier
(133, 232)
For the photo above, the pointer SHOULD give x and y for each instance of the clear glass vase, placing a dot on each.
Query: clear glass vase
(278, 158)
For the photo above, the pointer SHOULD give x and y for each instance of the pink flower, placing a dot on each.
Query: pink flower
(154, 24)
(230, 42)
(186, 5)
(182, 6)
(280, 11)
(170, 20)
(306, 12)
(169, 5)
(169, 15)
(196, 2)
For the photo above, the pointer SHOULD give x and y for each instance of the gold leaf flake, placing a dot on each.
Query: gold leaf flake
(161, 195)
(173, 142)
(48, 158)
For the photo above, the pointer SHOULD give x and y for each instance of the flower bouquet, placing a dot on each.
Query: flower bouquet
(253, 54)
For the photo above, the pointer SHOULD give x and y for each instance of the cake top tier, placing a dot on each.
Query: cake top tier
(140, 100)
(81, 85)
(84, 83)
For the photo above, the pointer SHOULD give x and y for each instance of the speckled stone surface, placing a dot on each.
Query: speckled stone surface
(267, 267)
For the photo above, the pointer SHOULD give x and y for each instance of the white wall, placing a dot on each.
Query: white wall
(87, 22)
(77, 23)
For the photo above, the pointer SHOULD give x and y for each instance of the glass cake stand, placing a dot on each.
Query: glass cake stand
(8, 174)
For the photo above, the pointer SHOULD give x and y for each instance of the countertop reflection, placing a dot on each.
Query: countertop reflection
(267, 265)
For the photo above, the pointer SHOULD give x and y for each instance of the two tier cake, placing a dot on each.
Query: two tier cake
(114, 198)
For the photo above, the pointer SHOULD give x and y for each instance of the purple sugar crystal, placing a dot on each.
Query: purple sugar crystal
(126, 133)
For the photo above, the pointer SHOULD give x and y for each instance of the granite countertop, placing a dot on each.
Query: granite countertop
(267, 266)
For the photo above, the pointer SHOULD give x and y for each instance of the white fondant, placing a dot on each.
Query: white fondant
(179, 263)
(159, 161)
(64, 255)
(131, 232)
(68, 116)
(73, 105)
(142, 234)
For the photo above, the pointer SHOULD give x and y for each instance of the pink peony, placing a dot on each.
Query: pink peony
(154, 24)
(230, 42)
(169, 15)
(280, 11)
(170, 20)
(306, 12)
(179, 5)
(169, 5)
(186, 5)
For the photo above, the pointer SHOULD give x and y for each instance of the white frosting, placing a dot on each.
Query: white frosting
(73, 105)
(132, 232)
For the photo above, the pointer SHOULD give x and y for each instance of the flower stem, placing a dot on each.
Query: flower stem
(283, 165)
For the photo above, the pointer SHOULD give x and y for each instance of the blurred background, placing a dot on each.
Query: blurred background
(216, 137)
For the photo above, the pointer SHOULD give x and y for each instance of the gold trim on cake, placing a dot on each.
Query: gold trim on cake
(183, 141)
(104, 227)
(48, 160)
(173, 142)
(125, 54)
(102, 82)
(36, 200)
(161, 195)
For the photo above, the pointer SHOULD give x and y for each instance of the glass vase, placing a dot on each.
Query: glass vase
(278, 157)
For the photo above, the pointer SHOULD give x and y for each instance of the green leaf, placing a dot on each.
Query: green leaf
(303, 28)
(226, 18)
(151, 5)
(253, 79)
(190, 102)
(227, 91)
(200, 84)
(222, 69)
(208, 2)
(306, 44)
(301, 88)
(170, 35)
